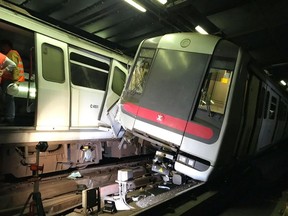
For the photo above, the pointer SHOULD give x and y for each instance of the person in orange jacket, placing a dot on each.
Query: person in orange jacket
(18, 72)
(6, 65)
(8, 77)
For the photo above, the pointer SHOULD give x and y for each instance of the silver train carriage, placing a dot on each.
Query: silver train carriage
(203, 103)
(70, 86)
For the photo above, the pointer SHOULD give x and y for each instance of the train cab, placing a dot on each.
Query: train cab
(191, 96)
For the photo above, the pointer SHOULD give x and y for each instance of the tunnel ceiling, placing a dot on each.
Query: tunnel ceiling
(260, 26)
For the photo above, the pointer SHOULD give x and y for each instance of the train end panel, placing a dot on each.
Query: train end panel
(160, 95)
(165, 101)
(178, 97)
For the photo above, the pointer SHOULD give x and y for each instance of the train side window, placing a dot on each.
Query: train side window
(53, 63)
(266, 104)
(280, 113)
(118, 81)
(215, 92)
(140, 71)
(89, 61)
(87, 72)
(261, 102)
(216, 86)
(272, 109)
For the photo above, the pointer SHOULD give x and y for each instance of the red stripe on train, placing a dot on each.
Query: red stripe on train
(169, 121)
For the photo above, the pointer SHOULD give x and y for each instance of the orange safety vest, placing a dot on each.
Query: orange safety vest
(2, 59)
(20, 68)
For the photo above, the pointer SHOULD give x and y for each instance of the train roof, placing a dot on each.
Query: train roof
(26, 20)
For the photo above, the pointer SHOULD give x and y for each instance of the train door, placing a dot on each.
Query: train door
(250, 116)
(258, 118)
(285, 131)
(53, 87)
(89, 77)
(269, 119)
(117, 80)
(281, 121)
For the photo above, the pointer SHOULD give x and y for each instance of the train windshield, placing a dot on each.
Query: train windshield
(140, 71)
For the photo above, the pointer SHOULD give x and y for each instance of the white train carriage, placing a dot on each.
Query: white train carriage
(71, 84)
(203, 103)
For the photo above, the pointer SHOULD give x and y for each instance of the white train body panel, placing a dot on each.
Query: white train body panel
(85, 106)
(29, 138)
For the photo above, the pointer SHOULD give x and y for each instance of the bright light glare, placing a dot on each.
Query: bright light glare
(201, 30)
(283, 82)
(136, 5)
(24, 89)
(162, 1)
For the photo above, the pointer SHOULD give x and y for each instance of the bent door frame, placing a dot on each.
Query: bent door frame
(111, 97)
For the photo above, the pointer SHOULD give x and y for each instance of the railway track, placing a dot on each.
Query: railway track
(147, 192)
(62, 192)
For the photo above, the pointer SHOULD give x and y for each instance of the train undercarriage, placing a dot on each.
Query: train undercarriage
(16, 159)
(128, 177)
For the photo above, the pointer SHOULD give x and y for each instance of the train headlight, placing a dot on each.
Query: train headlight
(185, 160)
(182, 159)
(191, 162)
